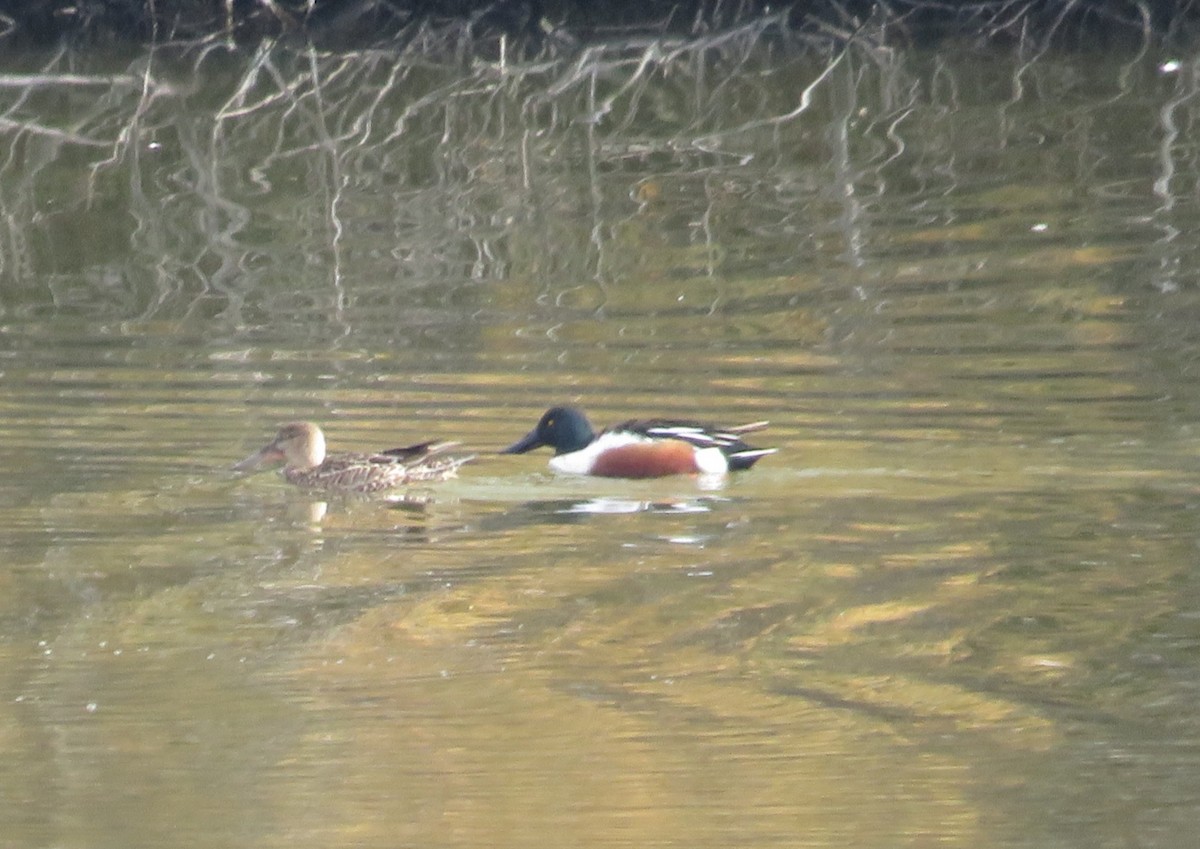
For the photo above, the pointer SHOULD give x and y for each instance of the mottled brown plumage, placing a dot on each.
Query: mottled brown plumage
(300, 446)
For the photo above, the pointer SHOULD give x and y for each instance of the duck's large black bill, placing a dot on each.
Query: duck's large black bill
(526, 443)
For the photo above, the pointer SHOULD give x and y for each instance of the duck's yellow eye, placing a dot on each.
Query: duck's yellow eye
(549, 422)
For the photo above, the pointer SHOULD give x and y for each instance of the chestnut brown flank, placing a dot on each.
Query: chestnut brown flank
(649, 460)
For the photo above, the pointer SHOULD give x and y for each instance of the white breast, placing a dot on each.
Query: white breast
(580, 462)
(710, 461)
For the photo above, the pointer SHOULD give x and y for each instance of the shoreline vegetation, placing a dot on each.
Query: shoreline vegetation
(533, 27)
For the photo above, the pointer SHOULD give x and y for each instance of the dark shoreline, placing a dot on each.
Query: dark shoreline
(534, 26)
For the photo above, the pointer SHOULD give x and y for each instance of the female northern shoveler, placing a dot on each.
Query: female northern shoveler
(640, 449)
(301, 448)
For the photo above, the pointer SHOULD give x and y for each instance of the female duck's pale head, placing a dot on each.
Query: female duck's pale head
(299, 445)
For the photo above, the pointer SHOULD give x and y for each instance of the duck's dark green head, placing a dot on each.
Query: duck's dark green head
(565, 429)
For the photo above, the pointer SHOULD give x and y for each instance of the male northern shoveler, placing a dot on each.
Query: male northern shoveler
(301, 448)
(640, 449)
